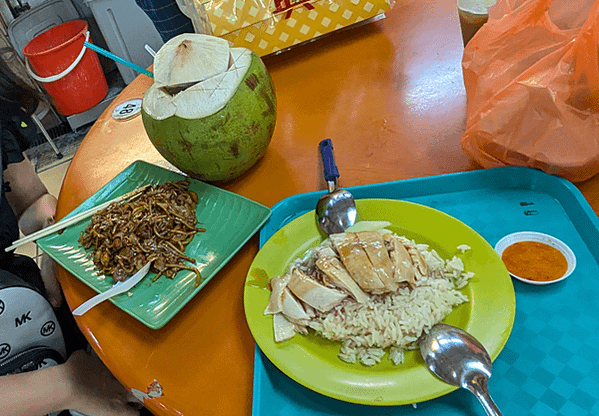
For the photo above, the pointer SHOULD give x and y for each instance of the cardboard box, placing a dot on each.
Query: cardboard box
(274, 25)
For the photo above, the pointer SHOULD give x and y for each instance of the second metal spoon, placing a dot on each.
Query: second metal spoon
(457, 358)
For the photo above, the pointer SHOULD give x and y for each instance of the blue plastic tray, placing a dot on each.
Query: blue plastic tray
(550, 364)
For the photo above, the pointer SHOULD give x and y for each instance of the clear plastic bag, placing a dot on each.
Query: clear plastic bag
(194, 9)
(532, 81)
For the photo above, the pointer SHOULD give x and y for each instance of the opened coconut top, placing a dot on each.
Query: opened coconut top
(194, 76)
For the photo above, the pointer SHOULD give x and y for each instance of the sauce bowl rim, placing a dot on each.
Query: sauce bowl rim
(535, 236)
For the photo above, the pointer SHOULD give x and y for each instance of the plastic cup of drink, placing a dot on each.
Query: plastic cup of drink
(473, 14)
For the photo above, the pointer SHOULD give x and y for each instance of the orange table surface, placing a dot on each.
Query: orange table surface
(390, 95)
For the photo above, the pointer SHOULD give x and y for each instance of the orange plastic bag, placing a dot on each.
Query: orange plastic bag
(532, 81)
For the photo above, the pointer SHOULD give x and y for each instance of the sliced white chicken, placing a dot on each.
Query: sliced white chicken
(334, 272)
(417, 257)
(404, 267)
(356, 262)
(283, 328)
(277, 287)
(313, 293)
(324, 249)
(293, 309)
(309, 310)
(373, 244)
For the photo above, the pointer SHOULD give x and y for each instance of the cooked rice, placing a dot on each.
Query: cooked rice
(392, 323)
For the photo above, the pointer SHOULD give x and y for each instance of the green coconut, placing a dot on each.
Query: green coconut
(211, 111)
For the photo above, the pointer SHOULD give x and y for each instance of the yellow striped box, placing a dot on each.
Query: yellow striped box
(272, 26)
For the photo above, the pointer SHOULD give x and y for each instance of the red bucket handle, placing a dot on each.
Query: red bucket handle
(64, 73)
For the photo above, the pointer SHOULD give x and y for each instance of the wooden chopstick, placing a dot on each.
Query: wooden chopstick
(67, 222)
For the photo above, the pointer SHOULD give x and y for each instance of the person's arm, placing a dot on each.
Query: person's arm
(34, 393)
(35, 209)
(83, 384)
(29, 192)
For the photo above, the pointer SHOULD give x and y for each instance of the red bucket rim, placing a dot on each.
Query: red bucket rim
(52, 48)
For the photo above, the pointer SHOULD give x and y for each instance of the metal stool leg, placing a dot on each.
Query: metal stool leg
(47, 136)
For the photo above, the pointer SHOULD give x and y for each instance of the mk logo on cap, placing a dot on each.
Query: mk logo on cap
(24, 318)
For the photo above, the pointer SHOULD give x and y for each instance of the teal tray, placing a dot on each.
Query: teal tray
(549, 366)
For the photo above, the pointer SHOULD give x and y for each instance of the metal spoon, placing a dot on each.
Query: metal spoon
(335, 211)
(457, 358)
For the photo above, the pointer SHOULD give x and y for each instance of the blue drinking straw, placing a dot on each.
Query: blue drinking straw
(119, 59)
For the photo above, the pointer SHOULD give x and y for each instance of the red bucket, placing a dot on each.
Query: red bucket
(70, 72)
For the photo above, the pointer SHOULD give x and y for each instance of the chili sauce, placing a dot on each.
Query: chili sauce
(533, 260)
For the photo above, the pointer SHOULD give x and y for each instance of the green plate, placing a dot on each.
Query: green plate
(312, 361)
(230, 220)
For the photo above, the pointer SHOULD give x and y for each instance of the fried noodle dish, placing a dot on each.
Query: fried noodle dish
(155, 225)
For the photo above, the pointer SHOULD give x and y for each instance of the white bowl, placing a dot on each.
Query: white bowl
(510, 239)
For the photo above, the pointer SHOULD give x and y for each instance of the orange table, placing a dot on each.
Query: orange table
(390, 94)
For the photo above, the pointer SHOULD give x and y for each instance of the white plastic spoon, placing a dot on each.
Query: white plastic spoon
(119, 287)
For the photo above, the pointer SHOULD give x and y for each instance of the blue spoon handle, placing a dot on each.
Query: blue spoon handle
(331, 173)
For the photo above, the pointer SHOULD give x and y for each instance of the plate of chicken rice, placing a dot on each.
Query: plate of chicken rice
(186, 228)
(342, 314)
